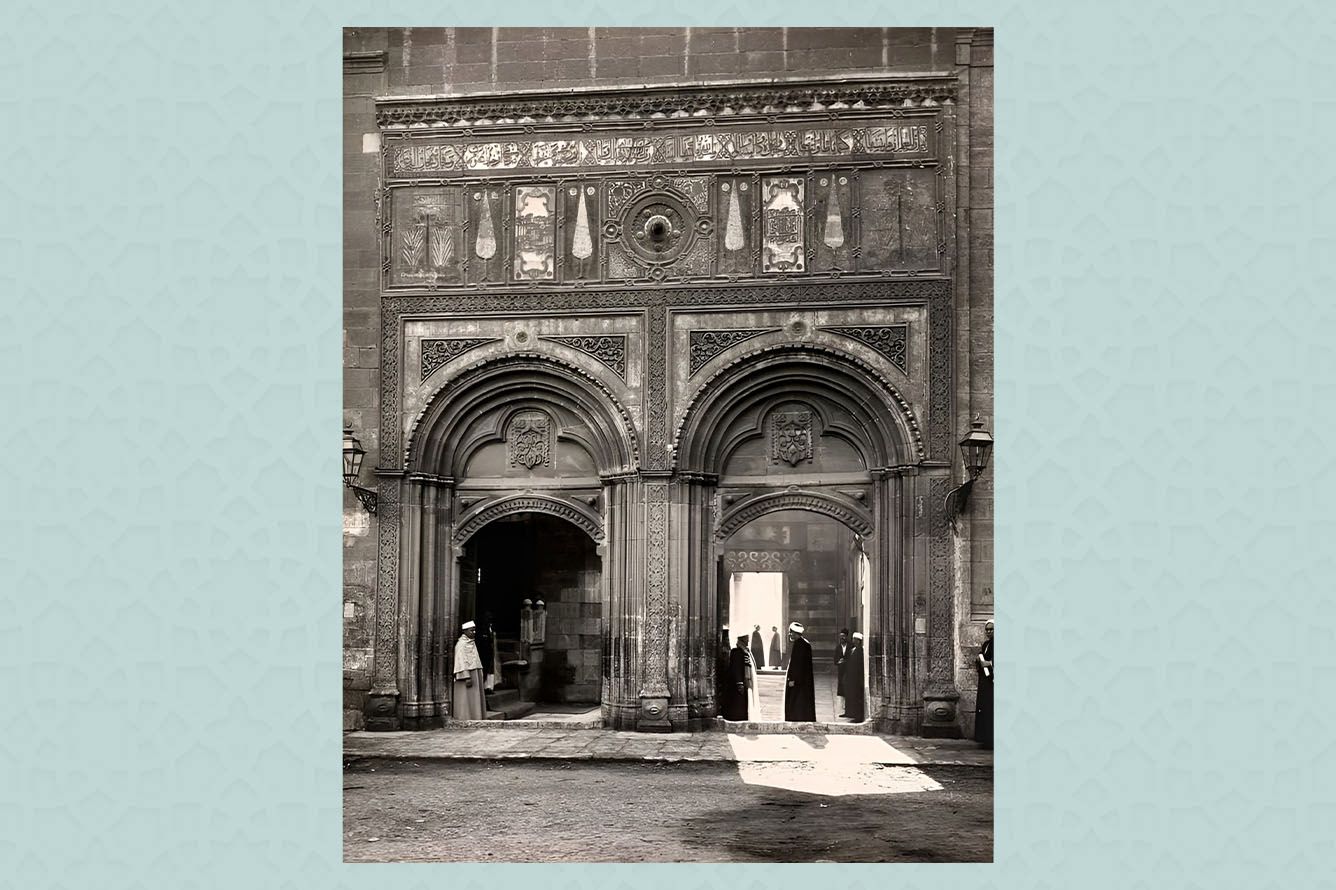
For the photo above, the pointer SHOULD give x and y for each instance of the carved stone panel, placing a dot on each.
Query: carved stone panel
(782, 247)
(899, 220)
(791, 437)
(426, 243)
(436, 353)
(580, 234)
(889, 340)
(659, 227)
(529, 439)
(832, 237)
(738, 245)
(705, 345)
(486, 234)
(535, 233)
(610, 350)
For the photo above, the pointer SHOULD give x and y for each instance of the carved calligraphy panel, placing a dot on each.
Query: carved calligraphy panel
(535, 233)
(782, 248)
(909, 140)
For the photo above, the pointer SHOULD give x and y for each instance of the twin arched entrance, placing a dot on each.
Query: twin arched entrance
(526, 482)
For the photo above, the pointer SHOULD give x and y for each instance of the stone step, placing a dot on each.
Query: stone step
(511, 711)
(500, 697)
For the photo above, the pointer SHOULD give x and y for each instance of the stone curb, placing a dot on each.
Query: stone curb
(350, 758)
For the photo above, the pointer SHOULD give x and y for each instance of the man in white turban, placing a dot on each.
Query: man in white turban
(468, 701)
(799, 688)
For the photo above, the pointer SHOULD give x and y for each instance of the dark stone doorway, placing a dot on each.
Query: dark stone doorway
(535, 556)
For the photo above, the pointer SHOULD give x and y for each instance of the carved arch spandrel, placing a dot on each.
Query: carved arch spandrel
(759, 375)
(434, 441)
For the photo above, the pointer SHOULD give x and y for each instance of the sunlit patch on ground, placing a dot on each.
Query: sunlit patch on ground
(838, 780)
(833, 749)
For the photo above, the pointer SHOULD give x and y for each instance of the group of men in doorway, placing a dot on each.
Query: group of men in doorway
(740, 692)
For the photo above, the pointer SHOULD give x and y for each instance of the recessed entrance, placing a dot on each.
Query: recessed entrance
(557, 659)
(786, 566)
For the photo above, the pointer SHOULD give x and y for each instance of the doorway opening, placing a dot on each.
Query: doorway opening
(553, 662)
(795, 566)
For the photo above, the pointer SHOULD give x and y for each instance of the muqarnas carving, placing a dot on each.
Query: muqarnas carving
(782, 230)
(900, 225)
(529, 439)
(791, 437)
(427, 235)
(535, 233)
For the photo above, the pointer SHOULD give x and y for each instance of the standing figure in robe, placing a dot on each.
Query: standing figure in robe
(855, 693)
(723, 685)
(841, 651)
(468, 701)
(983, 705)
(799, 691)
(486, 642)
(757, 647)
(743, 703)
(774, 659)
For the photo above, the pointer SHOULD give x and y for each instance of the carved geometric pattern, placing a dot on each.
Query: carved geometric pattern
(656, 590)
(889, 339)
(436, 353)
(791, 437)
(857, 520)
(610, 349)
(658, 457)
(705, 345)
(528, 439)
(586, 521)
(387, 589)
(935, 291)
(761, 560)
(940, 660)
(646, 104)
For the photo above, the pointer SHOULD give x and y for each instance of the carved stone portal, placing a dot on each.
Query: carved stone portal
(529, 439)
(791, 437)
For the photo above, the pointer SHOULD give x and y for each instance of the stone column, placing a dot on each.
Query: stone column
(382, 706)
(940, 695)
(654, 691)
(697, 632)
(410, 595)
(624, 585)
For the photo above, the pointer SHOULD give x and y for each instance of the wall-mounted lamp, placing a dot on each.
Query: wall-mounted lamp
(352, 469)
(975, 449)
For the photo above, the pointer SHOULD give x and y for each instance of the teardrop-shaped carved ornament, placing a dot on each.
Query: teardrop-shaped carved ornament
(834, 237)
(485, 247)
(582, 247)
(733, 237)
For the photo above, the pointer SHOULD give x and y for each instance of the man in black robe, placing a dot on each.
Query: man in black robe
(774, 647)
(799, 688)
(854, 690)
(486, 641)
(841, 651)
(735, 707)
(722, 687)
(983, 707)
(758, 653)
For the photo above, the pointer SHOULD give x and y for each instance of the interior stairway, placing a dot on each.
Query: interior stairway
(503, 703)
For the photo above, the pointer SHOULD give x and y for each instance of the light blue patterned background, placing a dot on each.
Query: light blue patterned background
(170, 308)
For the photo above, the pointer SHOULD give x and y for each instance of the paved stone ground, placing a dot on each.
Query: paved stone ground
(502, 742)
(623, 811)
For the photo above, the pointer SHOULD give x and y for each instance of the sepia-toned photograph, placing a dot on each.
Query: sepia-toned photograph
(667, 447)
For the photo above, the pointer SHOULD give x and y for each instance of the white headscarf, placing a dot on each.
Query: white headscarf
(466, 655)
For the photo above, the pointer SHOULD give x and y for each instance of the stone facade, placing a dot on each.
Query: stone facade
(669, 317)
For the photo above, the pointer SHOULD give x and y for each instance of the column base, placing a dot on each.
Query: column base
(382, 712)
(939, 715)
(653, 715)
